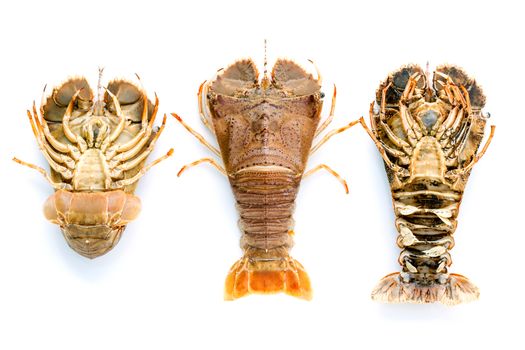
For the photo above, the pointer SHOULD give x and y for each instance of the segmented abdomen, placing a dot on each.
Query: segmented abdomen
(265, 202)
(92, 222)
(426, 220)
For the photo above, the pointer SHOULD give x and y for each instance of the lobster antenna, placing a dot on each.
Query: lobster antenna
(99, 84)
(98, 108)
(265, 59)
(428, 76)
(265, 81)
(429, 82)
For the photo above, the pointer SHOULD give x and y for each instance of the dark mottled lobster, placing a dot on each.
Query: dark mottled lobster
(428, 130)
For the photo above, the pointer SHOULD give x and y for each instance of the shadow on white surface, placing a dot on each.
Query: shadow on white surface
(418, 312)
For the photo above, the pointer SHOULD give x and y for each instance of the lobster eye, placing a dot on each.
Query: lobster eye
(322, 94)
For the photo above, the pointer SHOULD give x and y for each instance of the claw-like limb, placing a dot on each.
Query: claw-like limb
(331, 171)
(202, 160)
(197, 135)
(56, 185)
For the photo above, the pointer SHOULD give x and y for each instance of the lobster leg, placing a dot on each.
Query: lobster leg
(332, 133)
(396, 168)
(142, 172)
(407, 126)
(122, 120)
(137, 160)
(140, 138)
(75, 139)
(124, 156)
(411, 128)
(56, 185)
(480, 154)
(202, 160)
(447, 123)
(329, 170)
(43, 129)
(397, 141)
(382, 109)
(452, 153)
(44, 145)
(64, 171)
(449, 134)
(197, 135)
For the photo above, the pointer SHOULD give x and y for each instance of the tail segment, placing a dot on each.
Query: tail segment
(267, 272)
(456, 289)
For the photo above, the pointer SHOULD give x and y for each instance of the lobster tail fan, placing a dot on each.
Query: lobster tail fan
(259, 272)
(456, 290)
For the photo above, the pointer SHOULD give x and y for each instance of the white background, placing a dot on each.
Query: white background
(161, 287)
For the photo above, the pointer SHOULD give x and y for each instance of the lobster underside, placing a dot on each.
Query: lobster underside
(96, 149)
(428, 131)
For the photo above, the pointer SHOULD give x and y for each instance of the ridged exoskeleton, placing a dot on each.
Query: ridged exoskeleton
(96, 149)
(265, 129)
(428, 130)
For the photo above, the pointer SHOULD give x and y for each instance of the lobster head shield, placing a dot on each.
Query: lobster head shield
(267, 123)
